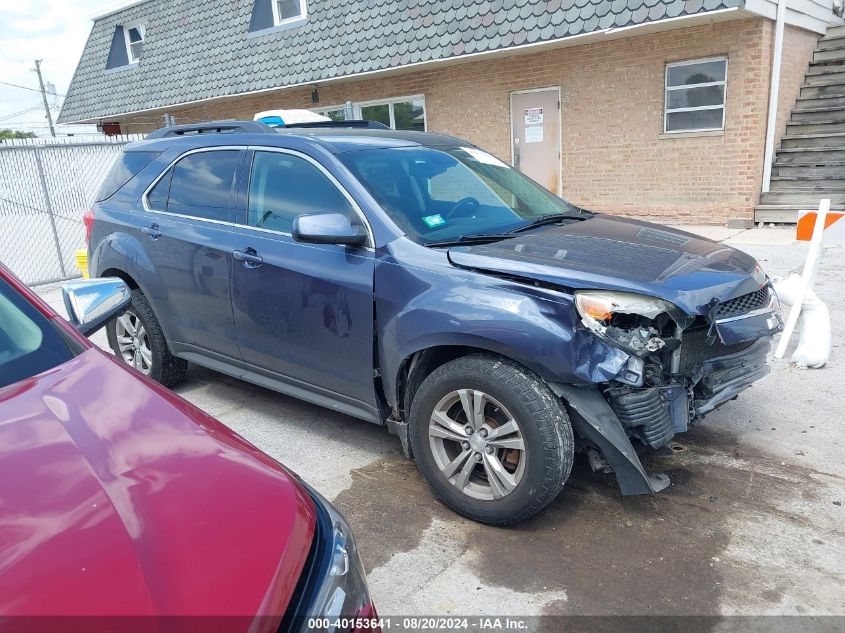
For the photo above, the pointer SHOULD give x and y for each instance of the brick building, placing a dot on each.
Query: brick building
(640, 107)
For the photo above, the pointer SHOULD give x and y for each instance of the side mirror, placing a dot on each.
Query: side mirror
(91, 303)
(327, 228)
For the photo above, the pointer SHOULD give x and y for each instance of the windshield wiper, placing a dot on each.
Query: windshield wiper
(479, 238)
(552, 219)
(486, 238)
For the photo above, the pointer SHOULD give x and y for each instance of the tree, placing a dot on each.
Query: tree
(6, 133)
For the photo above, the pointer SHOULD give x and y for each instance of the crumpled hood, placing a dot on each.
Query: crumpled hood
(119, 498)
(621, 254)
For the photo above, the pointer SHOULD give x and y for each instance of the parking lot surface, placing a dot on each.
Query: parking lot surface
(752, 523)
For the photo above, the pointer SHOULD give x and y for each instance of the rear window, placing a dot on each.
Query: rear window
(125, 169)
(29, 342)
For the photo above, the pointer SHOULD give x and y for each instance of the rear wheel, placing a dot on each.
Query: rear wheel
(136, 338)
(493, 441)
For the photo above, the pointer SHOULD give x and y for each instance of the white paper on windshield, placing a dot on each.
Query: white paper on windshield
(483, 157)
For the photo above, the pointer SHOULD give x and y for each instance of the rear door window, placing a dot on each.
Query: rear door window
(125, 168)
(202, 185)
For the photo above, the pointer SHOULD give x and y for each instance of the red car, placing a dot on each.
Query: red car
(141, 504)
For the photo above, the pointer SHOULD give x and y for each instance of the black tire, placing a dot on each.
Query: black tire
(545, 429)
(165, 368)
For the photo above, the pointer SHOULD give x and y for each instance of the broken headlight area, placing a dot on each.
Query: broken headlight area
(679, 386)
(677, 369)
(638, 324)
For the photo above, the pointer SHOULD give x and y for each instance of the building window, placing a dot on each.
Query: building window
(337, 113)
(402, 113)
(285, 11)
(134, 36)
(377, 112)
(695, 95)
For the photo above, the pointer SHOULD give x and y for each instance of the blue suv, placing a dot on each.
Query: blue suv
(414, 280)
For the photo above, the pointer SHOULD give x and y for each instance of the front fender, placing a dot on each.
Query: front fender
(419, 308)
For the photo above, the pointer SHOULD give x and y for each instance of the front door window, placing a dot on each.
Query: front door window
(283, 186)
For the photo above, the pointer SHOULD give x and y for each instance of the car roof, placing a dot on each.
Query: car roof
(340, 140)
(336, 140)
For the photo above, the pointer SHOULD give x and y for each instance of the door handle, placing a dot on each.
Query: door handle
(249, 257)
(152, 231)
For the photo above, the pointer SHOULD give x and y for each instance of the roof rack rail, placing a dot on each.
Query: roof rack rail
(212, 127)
(353, 123)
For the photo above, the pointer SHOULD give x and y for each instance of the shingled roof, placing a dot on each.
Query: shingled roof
(201, 49)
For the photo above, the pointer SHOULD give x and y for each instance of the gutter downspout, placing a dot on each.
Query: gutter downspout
(774, 87)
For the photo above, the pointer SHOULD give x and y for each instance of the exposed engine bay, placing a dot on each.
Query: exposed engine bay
(680, 367)
(680, 384)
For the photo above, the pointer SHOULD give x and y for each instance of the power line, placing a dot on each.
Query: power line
(39, 125)
(6, 117)
(30, 207)
(6, 83)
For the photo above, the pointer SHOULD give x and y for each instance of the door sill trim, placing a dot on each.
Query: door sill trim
(282, 384)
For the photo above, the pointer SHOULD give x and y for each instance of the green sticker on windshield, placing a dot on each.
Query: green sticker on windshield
(433, 220)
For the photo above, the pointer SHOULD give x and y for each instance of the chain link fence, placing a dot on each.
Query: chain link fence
(44, 190)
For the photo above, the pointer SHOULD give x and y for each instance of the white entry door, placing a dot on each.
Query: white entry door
(535, 125)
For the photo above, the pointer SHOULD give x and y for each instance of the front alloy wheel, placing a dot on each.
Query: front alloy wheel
(492, 440)
(133, 343)
(477, 444)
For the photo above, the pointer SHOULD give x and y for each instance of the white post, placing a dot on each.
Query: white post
(808, 277)
(774, 87)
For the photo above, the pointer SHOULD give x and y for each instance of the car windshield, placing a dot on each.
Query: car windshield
(29, 342)
(446, 193)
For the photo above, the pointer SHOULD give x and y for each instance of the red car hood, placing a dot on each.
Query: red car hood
(117, 497)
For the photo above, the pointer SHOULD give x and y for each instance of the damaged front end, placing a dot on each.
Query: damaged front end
(680, 367)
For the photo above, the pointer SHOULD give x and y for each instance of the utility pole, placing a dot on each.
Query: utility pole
(44, 97)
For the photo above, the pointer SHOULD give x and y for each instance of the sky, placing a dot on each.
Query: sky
(54, 31)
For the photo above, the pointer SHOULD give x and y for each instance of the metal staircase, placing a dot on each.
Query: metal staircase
(810, 163)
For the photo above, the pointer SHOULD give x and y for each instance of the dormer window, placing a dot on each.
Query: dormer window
(270, 16)
(286, 11)
(134, 36)
(126, 46)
